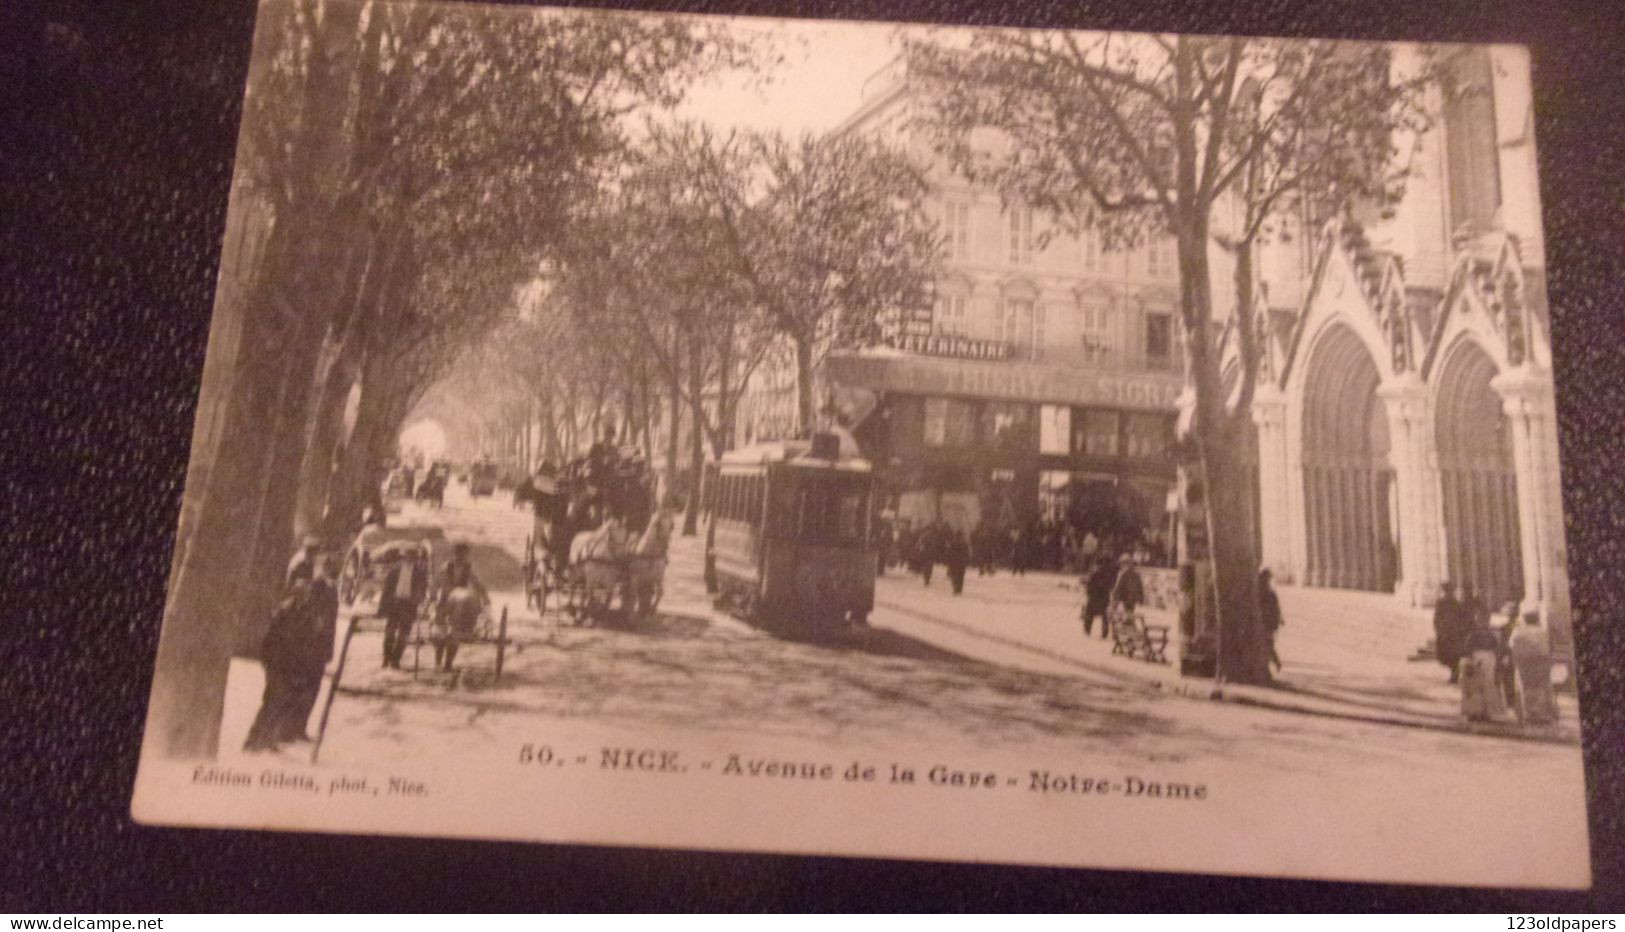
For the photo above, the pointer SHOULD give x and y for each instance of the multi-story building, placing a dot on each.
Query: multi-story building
(1044, 376)
(1405, 422)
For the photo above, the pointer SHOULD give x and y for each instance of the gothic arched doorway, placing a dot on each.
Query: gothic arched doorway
(1477, 480)
(1347, 478)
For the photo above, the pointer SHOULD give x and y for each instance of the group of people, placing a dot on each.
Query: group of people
(1038, 544)
(297, 646)
(1108, 584)
(921, 549)
(1499, 668)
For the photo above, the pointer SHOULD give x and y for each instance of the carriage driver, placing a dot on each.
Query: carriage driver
(462, 596)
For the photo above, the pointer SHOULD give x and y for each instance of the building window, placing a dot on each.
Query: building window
(1038, 331)
(1147, 436)
(1470, 147)
(1095, 316)
(1054, 429)
(1021, 235)
(1007, 423)
(949, 422)
(1159, 257)
(956, 230)
(1095, 433)
(1159, 336)
(1017, 324)
(951, 317)
(1089, 246)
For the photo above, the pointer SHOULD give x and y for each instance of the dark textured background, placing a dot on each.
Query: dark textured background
(117, 127)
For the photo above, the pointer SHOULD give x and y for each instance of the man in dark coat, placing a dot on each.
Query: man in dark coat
(1128, 591)
(1269, 613)
(1450, 627)
(282, 655)
(401, 596)
(981, 548)
(306, 681)
(883, 545)
(956, 554)
(1097, 596)
(929, 547)
(908, 541)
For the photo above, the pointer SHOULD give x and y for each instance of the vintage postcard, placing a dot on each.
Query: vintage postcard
(1064, 448)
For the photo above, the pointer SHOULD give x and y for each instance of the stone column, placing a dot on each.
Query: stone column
(1416, 487)
(1526, 397)
(1274, 478)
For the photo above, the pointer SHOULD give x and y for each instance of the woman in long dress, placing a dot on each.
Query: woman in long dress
(1531, 650)
(1480, 694)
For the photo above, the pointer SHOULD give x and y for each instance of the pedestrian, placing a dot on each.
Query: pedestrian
(1480, 694)
(401, 596)
(306, 681)
(956, 554)
(1128, 591)
(987, 552)
(1089, 548)
(908, 540)
(1449, 630)
(929, 547)
(1506, 672)
(461, 598)
(1474, 613)
(883, 545)
(303, 565)
(281, 657)
(1097, 596)
(1269, 613)
(1531, 650)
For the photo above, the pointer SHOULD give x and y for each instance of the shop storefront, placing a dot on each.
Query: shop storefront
(1001, 441)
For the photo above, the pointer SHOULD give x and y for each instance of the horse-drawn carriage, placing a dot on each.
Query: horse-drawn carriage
(596, 539)
(389, 567)
(432, 490)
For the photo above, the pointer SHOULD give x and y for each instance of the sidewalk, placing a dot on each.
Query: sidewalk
(1344, 653)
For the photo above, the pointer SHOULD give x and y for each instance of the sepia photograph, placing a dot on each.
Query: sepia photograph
(1083, 449)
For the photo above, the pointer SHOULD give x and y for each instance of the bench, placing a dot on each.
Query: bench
(1133, 638)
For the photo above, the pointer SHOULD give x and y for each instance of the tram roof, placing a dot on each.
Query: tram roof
(792, 453)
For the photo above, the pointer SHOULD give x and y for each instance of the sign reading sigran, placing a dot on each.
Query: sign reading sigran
(1005, 381)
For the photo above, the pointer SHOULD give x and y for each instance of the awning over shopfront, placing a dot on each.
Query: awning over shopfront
(1003, 381)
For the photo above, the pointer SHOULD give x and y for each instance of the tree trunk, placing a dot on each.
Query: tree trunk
(200, 631)
(550, 431)
(646, 412)
(1243, 648)
(325, 433)
(1230, 539)
(696, 445)
(804, 387)
(281, 326)
(674, 397)
(358, 473)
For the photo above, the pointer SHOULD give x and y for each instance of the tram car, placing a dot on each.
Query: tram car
(792, 550)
